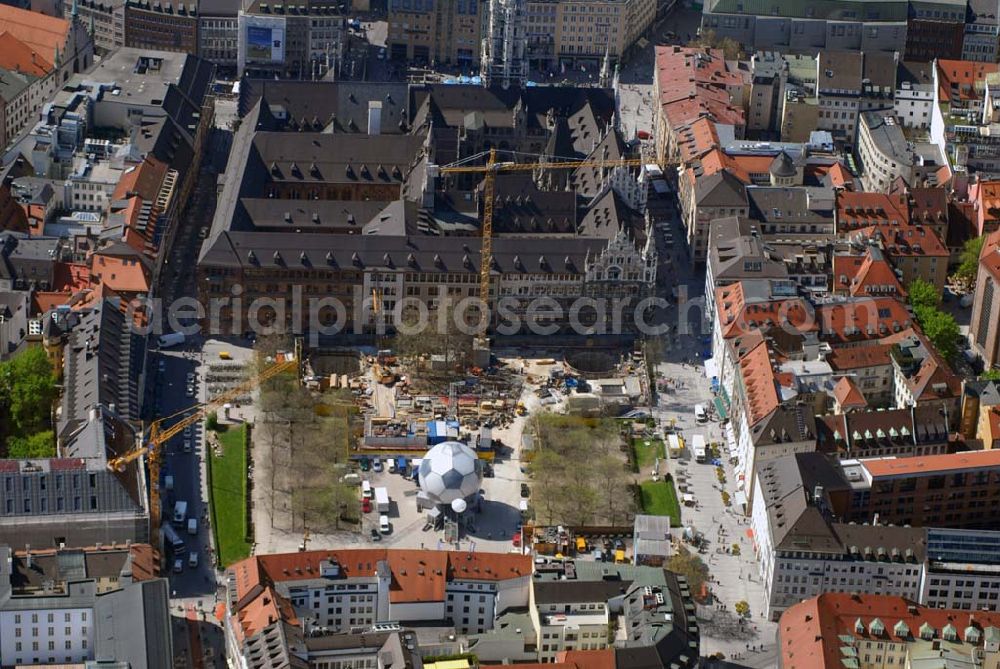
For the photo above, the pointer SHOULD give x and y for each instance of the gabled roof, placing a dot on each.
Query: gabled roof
(41, 33)
(721, 189)
(959, 79)
(814, 633)
(17, 56)
(867, 275)
(862, 319)
(847, 394)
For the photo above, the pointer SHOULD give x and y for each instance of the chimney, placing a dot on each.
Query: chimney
(374, 117)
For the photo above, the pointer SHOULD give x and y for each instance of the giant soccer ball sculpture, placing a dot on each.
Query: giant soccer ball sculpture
(450, 471)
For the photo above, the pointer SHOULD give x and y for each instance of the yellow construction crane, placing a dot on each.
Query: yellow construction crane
(159, 435)
(490, 170)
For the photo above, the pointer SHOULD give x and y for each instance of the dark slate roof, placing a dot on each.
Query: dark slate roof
(103, 360)
(422, 253)
(569, 592)
(340, 106)
(721, 189)
(133, 625)
(782, 166)
(788, 423)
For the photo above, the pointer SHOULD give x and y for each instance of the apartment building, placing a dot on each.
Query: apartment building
(885, 154)
(914, 95)
(106, 18)
(982, 32)
(962, 570)
(162, 26)
(218, 33)
(690, 84)
(38, 53)
(572, 603)
(279, 41)
(805, 28)
(326, 592)
(76, 500)
(436, 33)
(802, 552)
(884, 630)
(984, 330)
(949, 490)
(936, 29)
(71, 606)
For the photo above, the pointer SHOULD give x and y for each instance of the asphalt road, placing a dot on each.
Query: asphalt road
(193, 589)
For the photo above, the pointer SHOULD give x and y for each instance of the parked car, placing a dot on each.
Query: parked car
(366, 505)
(365, 464)
(377, 464)
(376, 536)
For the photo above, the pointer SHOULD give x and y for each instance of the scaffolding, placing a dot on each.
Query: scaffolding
(504, 58)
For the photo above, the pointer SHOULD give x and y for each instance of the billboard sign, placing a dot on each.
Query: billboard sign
(262, 39)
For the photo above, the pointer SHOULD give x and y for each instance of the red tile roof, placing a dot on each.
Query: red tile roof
(989, 256)
(588, 659)
(41, 33)
(862, 318)
(958, 80)
(861, 210)
(696, 138)
(809, 632)
(693, 82)
(985, 196)
(18, 56)
(865, 276)
(143, 180)
(855, 357)
(417, 576)
(847, 394)
(70, 277)
(759, 382)
(932, 464)
(739, 316)
(120, 274)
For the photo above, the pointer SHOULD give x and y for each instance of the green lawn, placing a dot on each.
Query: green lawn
(646, 455)
(659, 498)
(229, 493)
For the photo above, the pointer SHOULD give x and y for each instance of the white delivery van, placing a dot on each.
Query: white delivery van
(383, 524)
(366, 489)
(193, 526)
(700, 414)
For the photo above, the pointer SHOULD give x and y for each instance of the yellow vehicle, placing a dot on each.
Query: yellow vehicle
(581, 545)
(619, 556)
(224, 355)
(521, 409)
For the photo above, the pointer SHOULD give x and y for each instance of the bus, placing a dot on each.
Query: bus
(698, 446)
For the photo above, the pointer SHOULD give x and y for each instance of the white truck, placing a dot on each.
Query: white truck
(382, 499)
(171, 339)
(193, 526)
(172, 539)
(698, 447)
(180, 512)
